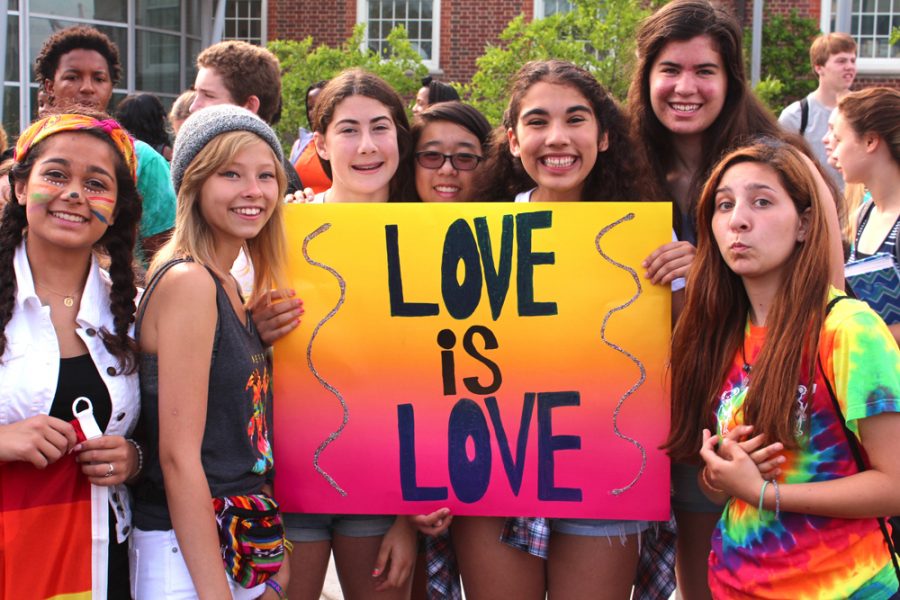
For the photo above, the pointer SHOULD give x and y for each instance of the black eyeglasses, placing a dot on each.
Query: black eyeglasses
(462, 161)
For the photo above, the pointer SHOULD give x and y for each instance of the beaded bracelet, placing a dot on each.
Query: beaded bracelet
(140, 456)
(271, 583)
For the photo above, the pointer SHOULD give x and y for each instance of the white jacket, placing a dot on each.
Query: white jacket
(29, 370)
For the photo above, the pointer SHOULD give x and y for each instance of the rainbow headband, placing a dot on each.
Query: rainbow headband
(44, 128)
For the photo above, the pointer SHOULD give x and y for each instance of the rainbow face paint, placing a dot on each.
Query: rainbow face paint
(102, 208)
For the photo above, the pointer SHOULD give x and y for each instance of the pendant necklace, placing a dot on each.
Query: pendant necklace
(68, 299)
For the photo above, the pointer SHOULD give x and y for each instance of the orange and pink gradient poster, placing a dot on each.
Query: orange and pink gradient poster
(496, 359)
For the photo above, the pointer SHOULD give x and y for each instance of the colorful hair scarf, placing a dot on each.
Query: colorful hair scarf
(44, 128)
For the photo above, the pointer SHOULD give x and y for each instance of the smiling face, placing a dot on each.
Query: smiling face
(70, 195)
(238, 198)
(360, 144)
(688, 85)
(82, 77)
(755, 223)
(557, 137)
(447, 184)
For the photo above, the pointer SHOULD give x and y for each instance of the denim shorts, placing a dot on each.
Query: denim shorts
(320, 528)
(686, 494)
(598, 527)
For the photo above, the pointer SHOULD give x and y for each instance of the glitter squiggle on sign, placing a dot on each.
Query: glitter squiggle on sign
(640, 365)
(343, 285)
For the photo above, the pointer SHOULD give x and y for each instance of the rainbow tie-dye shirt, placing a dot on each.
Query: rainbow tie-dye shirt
(800, 556)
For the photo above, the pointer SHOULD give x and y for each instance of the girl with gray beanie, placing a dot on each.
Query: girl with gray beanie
(205, 380)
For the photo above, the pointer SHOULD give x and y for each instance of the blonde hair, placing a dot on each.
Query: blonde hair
(193, 237)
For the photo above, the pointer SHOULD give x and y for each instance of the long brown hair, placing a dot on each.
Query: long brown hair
(742, 115)
(359, 82)
(711, 328)
(616, 175)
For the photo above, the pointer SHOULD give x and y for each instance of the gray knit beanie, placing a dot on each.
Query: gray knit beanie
(201, 127)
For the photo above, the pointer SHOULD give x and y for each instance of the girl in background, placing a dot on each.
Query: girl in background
(763, 345)
(208, 403)
(867, 150)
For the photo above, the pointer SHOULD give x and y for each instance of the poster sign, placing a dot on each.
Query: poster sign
(496, 359)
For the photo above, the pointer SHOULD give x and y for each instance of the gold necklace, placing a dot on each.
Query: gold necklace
(68, 299)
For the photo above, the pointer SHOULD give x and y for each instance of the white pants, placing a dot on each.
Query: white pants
(158, 570)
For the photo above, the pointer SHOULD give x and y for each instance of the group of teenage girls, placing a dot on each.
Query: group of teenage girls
(766, 365)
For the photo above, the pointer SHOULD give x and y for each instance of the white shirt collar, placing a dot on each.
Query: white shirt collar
(91, 298)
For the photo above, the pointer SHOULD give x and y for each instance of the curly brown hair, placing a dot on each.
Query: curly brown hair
(617, 174)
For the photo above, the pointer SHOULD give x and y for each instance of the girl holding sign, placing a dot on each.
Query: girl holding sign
(766, 345)
(563, 139)
(690, 103)
(362, 133)
(65, 333)
(205, 376)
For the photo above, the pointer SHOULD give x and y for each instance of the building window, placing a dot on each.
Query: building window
(870, 23)
(421, 18)
(158, 43)
(245, 20)
(545, 8)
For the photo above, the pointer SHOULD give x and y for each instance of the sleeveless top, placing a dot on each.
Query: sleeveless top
(888, 246)
(236, 451)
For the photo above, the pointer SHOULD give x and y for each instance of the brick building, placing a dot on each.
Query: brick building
(451, 34)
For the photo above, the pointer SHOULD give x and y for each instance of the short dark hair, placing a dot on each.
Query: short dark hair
(464, 115)
(79, 37)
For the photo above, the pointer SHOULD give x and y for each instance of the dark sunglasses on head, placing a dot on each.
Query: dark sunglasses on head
(462, 161)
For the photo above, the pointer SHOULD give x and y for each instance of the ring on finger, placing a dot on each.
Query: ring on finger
(110, 471)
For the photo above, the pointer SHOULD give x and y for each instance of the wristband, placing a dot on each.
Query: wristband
(777, 499)
(271, 583)
(140, 456)
(704, 474)
(762, 495)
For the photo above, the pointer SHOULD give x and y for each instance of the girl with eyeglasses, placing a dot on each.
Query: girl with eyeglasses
(450, 141)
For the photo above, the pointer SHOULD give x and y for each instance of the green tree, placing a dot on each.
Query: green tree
(596, 34)
(302, 65)
(785, 59)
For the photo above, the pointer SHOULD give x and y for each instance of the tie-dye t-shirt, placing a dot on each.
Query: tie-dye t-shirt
(799, 556)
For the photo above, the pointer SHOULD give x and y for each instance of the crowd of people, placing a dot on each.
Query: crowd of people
(150, 277)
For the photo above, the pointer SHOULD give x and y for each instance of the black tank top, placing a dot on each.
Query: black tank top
(236, 451)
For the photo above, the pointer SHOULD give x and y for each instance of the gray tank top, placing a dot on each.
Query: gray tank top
(236, 451)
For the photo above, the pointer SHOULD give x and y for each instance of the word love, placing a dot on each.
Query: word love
(472, 248)
(470, 475)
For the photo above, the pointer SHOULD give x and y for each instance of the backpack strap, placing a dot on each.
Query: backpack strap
(804, 114)
(854, 445)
